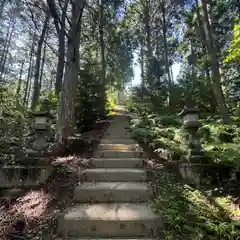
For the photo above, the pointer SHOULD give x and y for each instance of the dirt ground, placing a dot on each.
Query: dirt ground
(32, 215)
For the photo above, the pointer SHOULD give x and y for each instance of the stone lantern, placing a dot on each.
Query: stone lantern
(42, 125)
(191, 123)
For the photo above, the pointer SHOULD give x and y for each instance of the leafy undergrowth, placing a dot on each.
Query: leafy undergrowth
(165, 135)
(161, 133)
(36, 209)
(190, 213)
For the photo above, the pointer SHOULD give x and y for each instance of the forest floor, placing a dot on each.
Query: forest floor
(188, 212)
(39, 207)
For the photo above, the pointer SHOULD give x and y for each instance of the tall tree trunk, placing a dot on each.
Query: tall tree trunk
(29, 90)
(146, 20)
(66, 115)
(171, 73)
(4, 48)
(19, 84)
(43, 63)
(61, 51)
(166, 56)
(216, 76)
(36, 86)
(158, 53)
(2, 4)
(213, 103)
(7, 45)
(102, 58)
(29, 69)
(142, 62)
(51, 80)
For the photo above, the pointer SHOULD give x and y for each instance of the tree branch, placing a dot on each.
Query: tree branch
(53, 10)
(63, 10)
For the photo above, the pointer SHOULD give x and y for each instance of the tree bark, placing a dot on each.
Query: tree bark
(213, 103)
(142, 62)
(102, 56)
(66, 115)
(2, 4)
(4, 51)
(7, 45)
(216, 76)
(19, 84)
(61, 51)
(29, 69)
(146, 21)
(36, 86)
(30, 83)
(166, 56)
(43, 63)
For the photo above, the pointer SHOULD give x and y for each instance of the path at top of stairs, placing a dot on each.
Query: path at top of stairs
(112, 202)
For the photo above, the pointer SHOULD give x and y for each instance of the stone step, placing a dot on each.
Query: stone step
(117, 162)
(119, 154)
(118, 141)
(109, 220)
(110, 239)
(110, 192)
(118, 133)
(114, 175)
(119, 147)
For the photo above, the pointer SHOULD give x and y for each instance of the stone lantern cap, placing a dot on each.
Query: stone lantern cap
(44, 110)
(190, 115)
(189, 107)
(189, 110)
(43, 114)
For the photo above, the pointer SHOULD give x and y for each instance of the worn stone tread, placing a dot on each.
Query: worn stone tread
(129, 220)
(111, 211)
(114, 186)
(119, 147)
(112, 197)
(113, 239)
(108, 239)
(117, 141)
(112, 192)
(119, 153)
(117, 162)
(115, 175)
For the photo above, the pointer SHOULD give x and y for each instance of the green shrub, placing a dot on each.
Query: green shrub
(169, 121)
(226, 153)
(227, 134)
(205, 134)
(166, 132)
(159, 137)
(180, 136)
(219, 133)
(111, 103)
(192, 214)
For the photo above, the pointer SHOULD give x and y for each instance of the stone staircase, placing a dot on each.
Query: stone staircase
(112, 201)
